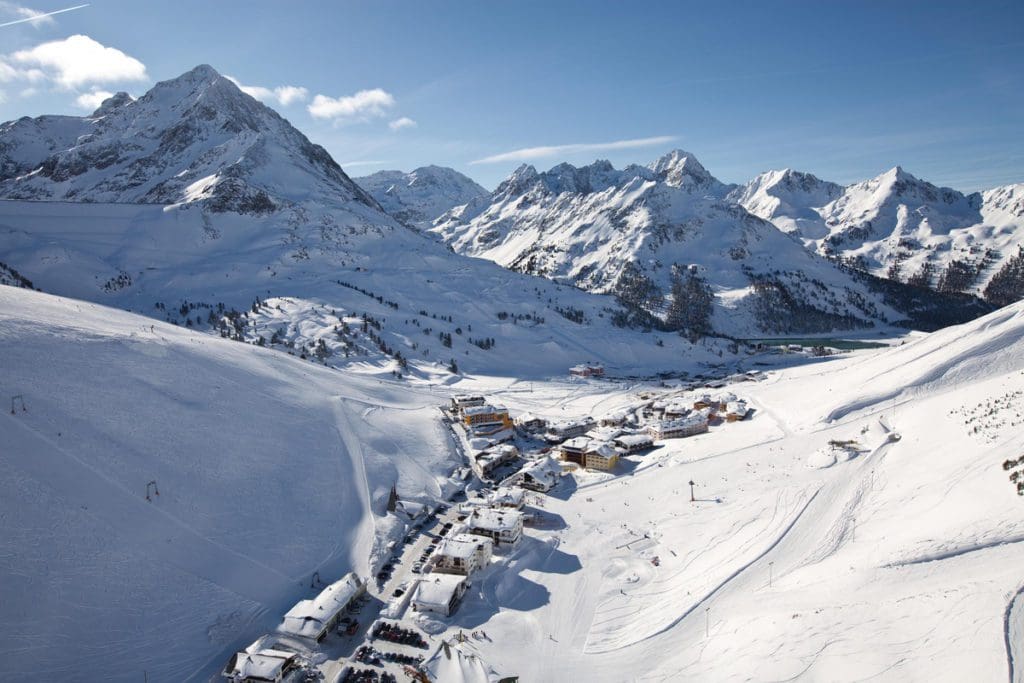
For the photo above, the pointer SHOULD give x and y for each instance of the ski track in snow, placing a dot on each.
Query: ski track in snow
(1013, 632)
(161, 533)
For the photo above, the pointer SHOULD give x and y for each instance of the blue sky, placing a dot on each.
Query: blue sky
(844, 90)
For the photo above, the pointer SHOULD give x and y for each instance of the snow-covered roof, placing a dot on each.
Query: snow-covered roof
(634, 439)
(491, 519)
(485, 409)
(507, 495)
(736, 407)
(438, 589)
(691, 420)
(308, 617)
(261, 665)
(605, 450)
(577, 443)
(462, 545)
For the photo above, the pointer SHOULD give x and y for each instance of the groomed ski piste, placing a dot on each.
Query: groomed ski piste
(894, 554)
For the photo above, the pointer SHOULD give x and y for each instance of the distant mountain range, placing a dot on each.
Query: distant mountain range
(196, 192)
(903, 228)
(418, 197)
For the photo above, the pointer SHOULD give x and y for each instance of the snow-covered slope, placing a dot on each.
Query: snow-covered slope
(898, 226)
(632, 232)
(786, 198)
(896, 558)
(268, 468)
(418, 197)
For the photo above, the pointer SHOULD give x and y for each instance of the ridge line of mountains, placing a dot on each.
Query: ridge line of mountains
(248, 203)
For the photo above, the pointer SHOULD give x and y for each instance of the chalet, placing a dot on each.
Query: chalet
(504, 527)
(697, 423)
(735, 411)
(260, 665)
(486, 414)
(507, 497)
(574, 450)
(600, 456)
(704, 402)
(632, 443)
(541, 475)
(463, 554)
(440, 593)
(461, 402)
(587, 370)
(529, 422)
(312, 619)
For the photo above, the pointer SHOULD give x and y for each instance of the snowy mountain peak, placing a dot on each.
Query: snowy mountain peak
(194, 138)
(113, 102)
(679, 168)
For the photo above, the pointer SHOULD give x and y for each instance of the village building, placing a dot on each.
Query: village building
(541, 475)
(675, 410)
(507, 497)
(567, 430)
(633, 443)
(494, 457)
(486, 415)
(697, 423)
(735, 411)
(260, 665)
(314, 618)
(705, 402)
(504, 527)
(463, 554)
(440, 593)
(461, 402)
(616, 419)
(574, 450)
(600, 456)
(587, 370)
(528, 422)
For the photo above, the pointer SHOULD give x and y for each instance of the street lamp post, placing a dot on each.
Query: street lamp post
(692, 499)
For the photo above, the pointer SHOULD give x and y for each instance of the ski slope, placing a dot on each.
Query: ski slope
(268, 468)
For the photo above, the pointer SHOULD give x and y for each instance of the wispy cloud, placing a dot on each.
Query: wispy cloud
(531, 153)
(404, 122)
(364, 105)
(348, 164)
(282, 94)
(73, 62)
(28, 14)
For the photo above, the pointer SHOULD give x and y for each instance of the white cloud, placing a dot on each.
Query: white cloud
(287, 94)
(365, 104)
(77, 61)
(404, 122)
(283, 94)
(529, 153)
(92, 100)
